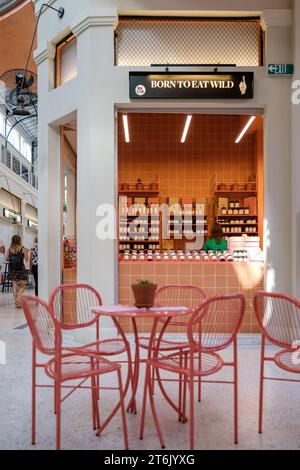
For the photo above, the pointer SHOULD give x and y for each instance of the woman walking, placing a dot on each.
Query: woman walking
(15, 256)
(34, 261)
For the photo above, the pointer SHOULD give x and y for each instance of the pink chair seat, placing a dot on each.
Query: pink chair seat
(165, 345)
(107, 347)
(79, 367)
(288, 360)
(210, 364)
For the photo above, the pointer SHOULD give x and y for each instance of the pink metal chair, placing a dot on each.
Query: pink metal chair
(173, 296)
(212, 328)
(278, 316)
(71, 304)
(65, 365)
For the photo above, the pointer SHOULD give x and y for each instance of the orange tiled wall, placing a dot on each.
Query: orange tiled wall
(185, 169)
(214, 278)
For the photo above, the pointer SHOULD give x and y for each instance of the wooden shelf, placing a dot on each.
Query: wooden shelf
(137, 192)
(237, 225)
(237, 234)
(138, 241)
(237, 192)
(236, 215)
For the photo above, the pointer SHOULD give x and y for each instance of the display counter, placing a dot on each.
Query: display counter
(214, 278)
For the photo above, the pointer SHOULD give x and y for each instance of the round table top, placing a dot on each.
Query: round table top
(134, 312)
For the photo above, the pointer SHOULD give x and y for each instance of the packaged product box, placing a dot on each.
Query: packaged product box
(251, 202)
(220, 202)
(168, 244)
(173, 200)
(140, 200)
(153, 200)
(204, 203)
(187, 201)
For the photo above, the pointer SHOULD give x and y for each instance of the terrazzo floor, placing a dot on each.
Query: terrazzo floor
(214, 416)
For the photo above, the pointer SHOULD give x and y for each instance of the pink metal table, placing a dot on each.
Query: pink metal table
(117, 312)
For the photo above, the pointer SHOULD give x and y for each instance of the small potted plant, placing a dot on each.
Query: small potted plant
(144, 293)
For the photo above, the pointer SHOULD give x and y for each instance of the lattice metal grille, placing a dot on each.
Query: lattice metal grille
(144, 42)
(69, 66)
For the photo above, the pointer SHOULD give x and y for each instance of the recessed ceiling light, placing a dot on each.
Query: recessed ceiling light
(249, 123)
(126, 128)
(186, 128)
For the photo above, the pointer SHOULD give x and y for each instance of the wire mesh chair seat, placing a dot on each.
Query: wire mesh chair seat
(210, 363)
(79, 366)
(278, 316)
(288, 360)
(212, 327)
(66, 365)
(106, 347)
(164, 344)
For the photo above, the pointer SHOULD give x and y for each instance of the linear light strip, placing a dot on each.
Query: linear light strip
(126, 128)
(249, 123)
(186, 128)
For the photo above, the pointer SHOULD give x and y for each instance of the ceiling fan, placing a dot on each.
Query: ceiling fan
(19, 91)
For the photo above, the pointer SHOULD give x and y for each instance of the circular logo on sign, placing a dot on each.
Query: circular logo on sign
(140, 90)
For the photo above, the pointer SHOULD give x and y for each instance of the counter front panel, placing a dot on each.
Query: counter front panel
(213, 278)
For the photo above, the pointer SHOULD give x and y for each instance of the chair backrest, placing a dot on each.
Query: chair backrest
(180, 296)
(44, 329)
(278, 316)
(216, 323)
(72, 303)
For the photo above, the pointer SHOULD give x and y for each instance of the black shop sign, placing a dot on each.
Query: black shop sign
(192, 86)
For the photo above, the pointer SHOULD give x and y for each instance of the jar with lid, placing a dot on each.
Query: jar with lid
(246, 211)
(231, 204)
(237, 204)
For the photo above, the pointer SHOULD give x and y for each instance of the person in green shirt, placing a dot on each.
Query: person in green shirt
(217, 241)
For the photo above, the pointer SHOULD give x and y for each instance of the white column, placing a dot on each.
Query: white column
(96, 159)
(49, 189)
(295, 163)
(277, 197)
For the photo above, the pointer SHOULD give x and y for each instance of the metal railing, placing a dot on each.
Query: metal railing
(11, 158)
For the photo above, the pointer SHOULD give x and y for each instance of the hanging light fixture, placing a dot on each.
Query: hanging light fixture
(247, 126)
(186, 128)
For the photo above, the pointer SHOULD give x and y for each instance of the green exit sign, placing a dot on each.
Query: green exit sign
(281, 69)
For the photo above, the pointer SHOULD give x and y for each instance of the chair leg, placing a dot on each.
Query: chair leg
(152, 380)
(124, 423)
(261, 384)
(199, 379)
(94, 401)
(144, 405)
(155, 418)
(185, 385)
(58, 415)
(192, 429)
(33, 403)
(235, 392)
(180, 384)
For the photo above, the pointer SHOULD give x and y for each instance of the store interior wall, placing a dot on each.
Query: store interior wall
(187, 169)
